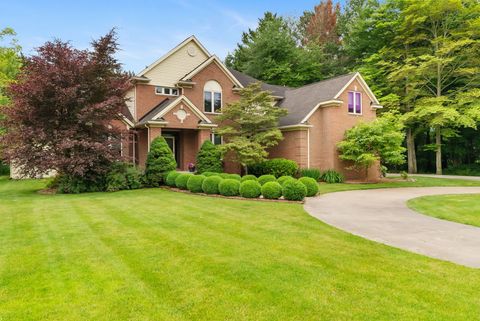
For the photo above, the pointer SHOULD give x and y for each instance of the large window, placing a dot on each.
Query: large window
(216, 139)
(212, 97)
(355, 102)
(168, 91)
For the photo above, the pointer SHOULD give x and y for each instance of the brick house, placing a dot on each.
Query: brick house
(179, 96)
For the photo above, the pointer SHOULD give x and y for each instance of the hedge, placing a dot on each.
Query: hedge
(250, 189)
(276, 167)
(229, 187)
(171, 177)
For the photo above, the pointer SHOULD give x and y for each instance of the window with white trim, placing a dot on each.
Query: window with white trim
(167, 91)
(212, 97)
(216, 139)
(355, 102)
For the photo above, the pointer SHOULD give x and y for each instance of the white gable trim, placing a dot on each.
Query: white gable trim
(333, 102)
(363, 83)
(126, 121)
(219, 63)
(187, 101)
(174, 50)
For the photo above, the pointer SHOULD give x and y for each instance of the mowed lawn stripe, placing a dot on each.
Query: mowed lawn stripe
(155, 254)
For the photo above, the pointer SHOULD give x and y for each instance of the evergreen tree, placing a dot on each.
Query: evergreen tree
(209, 158)
(160, 160)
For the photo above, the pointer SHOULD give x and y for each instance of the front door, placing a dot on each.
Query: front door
(173, 141)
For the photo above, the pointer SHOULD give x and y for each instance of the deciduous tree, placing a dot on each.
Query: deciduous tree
(62, 110)
(250, 125)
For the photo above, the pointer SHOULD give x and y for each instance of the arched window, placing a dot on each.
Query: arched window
(212, 97)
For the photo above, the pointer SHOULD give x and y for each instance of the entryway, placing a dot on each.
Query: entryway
(173, 141)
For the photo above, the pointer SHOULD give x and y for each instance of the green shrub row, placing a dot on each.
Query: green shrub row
(247, 186)
(276, 167)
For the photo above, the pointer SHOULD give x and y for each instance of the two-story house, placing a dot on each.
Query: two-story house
(179, 96)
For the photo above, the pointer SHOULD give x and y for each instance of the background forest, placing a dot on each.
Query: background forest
(421, 58)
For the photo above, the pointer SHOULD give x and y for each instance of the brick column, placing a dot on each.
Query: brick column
(202, 136)
(154, 132)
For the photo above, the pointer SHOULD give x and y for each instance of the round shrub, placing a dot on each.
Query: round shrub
(249, 178)
(272, 190)
(281, 180)
(171, 177)
(208, 174)
(182, 180)
(235, 176)
(210, 184)
(266, 178)
(229, 187)
(250, 189)
(194, 183)
(311, 185)
(294, 190)
(224, 175)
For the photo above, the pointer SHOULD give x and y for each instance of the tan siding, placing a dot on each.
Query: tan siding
(172, 69)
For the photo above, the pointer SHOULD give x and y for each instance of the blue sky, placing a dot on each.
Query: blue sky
(147, 29)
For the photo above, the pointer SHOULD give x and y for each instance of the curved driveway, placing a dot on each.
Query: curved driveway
(382, 215)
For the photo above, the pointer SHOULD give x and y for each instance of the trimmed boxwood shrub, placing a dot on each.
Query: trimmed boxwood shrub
(235, 176)
(250, 189)
(249, 178)
(294, 190)
(311, 185)
(266, 178)
(209, 158)
(229, 187)
(314, 173)
(208, 174)
(171, 177)
(160, 160)
(276, 167)
(271, 190)
(194, 183)
(210, 184)
(281, 180)
(182, 180)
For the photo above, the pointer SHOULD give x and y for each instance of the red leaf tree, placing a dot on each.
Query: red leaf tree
(62, 110)
(322, 25)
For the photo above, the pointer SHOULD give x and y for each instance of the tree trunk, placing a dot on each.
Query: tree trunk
(411, 155)
(438, 142)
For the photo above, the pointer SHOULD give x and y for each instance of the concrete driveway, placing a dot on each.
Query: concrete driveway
(382, 215)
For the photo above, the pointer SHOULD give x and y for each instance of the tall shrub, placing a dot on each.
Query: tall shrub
(160, 160)
(209, 158)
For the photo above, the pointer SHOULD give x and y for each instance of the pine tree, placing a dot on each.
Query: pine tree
(160, 160)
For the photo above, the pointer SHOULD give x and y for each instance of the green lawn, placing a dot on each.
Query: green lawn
(159, 255)
(463, 209)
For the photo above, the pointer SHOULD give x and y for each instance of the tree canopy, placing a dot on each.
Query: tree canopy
(63, 105)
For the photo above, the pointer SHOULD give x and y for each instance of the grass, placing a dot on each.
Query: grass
(397, 182)
(154, 254)
(463, 209)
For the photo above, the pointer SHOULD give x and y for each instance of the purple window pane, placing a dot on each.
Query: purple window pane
(350, 102)
(358, 103)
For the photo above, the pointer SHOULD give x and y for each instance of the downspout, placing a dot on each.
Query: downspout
(308, 147)
(148, 136)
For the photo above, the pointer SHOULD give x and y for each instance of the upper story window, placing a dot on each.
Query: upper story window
(355, 102)
(212, 97)
(168, 91)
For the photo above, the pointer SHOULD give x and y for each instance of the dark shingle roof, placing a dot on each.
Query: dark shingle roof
(127, 114)
(245, 80)
(155, 110)
(300, 101)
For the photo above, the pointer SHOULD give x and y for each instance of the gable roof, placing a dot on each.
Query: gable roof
(171, 52)
(166, 105)
(245, 80)
(206, 63)
(299, 102)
